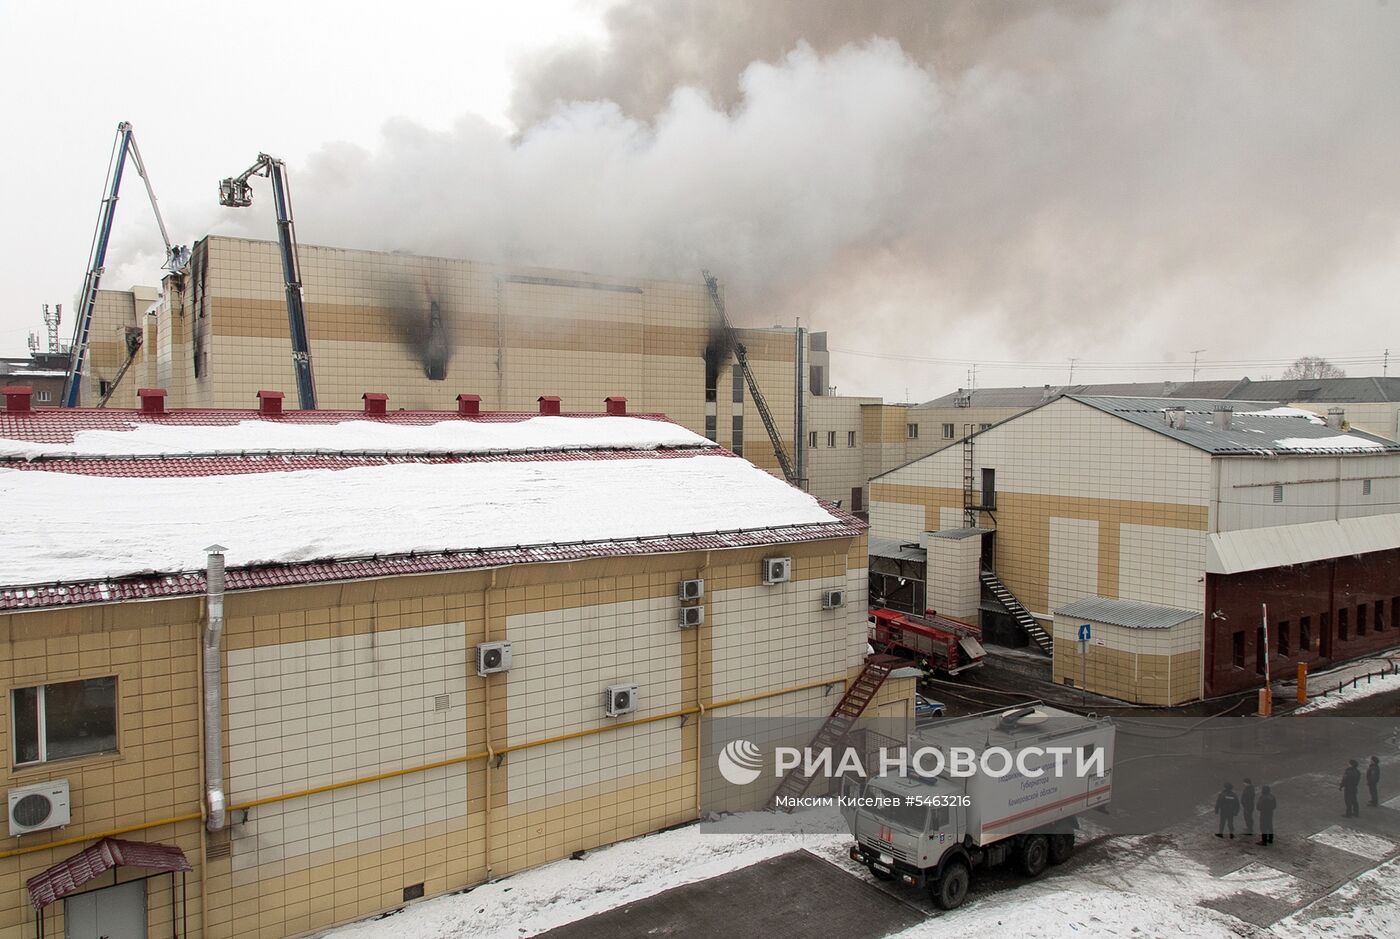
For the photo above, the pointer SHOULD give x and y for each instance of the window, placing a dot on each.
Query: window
(911, 431)
(1283, 638)
(711, 428)
(857, 499)
(811, 440)
(1261, 650)
(739, 434)
(1278, 492)
(831, 438)
(1365, 487)
(850, 438)
(1343, 625)
(948, 431)
(43, 394)
(738, 385)
(989, 488)
(103, 387)
(1237, 658)
(67, 719)
(1360, 619)
(1305, 634)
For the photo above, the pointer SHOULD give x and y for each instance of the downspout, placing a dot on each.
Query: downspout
(217, 803)
(800, 407)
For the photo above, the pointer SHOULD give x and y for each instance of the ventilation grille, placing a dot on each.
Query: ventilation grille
(218, 845)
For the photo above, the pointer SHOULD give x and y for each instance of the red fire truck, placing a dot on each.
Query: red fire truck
(935, 643)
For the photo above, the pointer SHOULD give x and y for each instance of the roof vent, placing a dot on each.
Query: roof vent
(616, 405)
(270, 403)
(1224, 414)
(1175, 417)
(549, 404)
(152, 400)
(376, 402)
(468, 405)
(1168, 388)
(18, 398)
(1337, 418)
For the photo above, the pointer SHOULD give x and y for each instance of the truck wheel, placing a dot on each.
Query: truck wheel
(1035, 854)
(950, 890)
(879, 874)
(1061, 847)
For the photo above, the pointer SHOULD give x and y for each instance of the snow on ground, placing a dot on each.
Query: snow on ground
(64, 527)
(1134, 886)
(559, 893)
(1363, 689)
(1355, 842)
(450, 434)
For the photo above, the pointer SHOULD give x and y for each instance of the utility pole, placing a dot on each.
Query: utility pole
(1385, 363)
(1071, 371)
(1195, 357)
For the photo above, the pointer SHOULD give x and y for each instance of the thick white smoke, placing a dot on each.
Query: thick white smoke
(1129, 181)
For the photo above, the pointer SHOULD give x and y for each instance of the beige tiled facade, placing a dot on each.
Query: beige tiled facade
(1146, 666)
(220, 334)
(363, 754)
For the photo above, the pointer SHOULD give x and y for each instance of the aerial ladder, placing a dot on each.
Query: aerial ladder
(742, 357)
(236, 191)
(176, 256)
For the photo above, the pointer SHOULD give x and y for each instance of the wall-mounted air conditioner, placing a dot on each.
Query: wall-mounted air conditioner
(692, 589)
(39, 807)
(777, 570)
(833, 599)
(691, 616)
(492, 657)
(619, 700)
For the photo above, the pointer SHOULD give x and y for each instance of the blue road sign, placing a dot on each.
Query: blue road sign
(1083, 632)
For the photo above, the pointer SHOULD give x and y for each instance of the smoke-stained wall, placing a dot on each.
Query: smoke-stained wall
(425, 329)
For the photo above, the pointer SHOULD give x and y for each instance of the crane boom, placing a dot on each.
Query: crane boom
(741, 355)
(235, 191)
(175, 255)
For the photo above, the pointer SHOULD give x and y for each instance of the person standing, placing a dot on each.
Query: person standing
(1267, 804)
(1247, 805)
(1351, 781)
(1227, 806)
(1373, 780)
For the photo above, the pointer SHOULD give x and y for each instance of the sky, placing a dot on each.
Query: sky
(1133, 186)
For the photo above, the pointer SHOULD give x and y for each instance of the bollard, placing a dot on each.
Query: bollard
(1266, 702)
(1302, 682)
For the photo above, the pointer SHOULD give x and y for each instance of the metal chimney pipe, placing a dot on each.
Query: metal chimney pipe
(1224, 414)
(213, 696)
(1337, 418)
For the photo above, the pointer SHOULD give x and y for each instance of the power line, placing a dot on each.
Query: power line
(1350, 359)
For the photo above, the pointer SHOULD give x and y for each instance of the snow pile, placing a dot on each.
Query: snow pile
(1339, 442)
(449, 435)
(1363, 689)
(63, 527)
(1308, 416)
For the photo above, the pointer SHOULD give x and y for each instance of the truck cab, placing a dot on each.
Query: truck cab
(904, 825)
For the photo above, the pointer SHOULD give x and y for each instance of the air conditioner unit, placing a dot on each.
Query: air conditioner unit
(777, 570)
(691, 616)
(39, 807)
(619, 700)
(833, 599)
(492, 657)
(692, 589)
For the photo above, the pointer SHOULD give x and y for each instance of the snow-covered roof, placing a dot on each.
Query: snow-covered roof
(1255, 428)
(99, 516)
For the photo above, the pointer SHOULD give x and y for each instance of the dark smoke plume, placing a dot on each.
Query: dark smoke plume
(419, 320)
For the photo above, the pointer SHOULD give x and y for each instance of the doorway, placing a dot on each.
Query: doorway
(110, 913)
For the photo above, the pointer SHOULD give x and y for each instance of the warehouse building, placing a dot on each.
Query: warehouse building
(449, 646)
(1175, 519)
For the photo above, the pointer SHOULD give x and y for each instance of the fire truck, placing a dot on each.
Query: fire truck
(935, 643)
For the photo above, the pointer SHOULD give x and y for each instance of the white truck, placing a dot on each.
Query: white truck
(979, 791)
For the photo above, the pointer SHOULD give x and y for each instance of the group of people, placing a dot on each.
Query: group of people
(1228, 805)
(1351, 782)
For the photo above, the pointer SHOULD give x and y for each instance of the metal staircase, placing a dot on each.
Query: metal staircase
(969, 503)
(1028, 623)
(842, 718)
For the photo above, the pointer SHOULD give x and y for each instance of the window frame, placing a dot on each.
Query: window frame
(830, 439)
(42, 722)
(850, 438)
(911, 431)
(950, 431)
